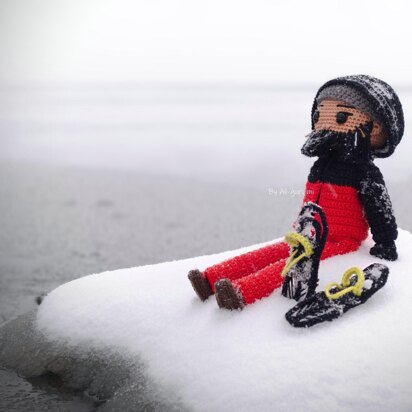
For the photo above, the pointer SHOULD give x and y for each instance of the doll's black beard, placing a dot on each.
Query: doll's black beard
(341, 145)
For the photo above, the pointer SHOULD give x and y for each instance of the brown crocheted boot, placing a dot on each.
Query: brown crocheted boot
(200, 284)
(227, 296)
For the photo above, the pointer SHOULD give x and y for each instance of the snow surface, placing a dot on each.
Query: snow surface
(250, 360)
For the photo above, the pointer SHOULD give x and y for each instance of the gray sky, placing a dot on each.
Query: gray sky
(213, 40)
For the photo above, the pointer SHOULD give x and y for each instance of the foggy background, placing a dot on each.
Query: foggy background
(218, 91)
(126, 41)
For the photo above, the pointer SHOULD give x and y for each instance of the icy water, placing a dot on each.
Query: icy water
(39, 394)
(93, 180)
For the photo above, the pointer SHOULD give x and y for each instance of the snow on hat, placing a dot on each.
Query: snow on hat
(374, 97)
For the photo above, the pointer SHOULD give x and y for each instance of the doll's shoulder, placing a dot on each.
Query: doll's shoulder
(369, 171)
(371, 180)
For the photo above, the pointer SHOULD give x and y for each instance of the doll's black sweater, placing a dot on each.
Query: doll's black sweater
(367, 179)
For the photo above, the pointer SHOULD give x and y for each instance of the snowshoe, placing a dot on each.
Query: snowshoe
(356, 288)
(307, 243)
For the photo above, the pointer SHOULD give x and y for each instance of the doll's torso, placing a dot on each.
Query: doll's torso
(334, 185)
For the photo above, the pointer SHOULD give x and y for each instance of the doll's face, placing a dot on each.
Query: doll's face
(341, 117)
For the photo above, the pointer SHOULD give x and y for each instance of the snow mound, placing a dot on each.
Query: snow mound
(216, 360)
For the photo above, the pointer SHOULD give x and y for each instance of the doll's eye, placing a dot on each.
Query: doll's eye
(342, 117)
(316, 116)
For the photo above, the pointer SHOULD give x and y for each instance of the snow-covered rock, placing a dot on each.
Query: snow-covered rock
(182, 353)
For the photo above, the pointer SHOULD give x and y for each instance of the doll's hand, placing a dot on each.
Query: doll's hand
(385, 251)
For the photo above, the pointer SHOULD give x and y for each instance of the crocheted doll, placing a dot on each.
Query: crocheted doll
(354, 120)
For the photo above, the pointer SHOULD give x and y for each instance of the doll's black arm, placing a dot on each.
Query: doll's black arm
(379, 212)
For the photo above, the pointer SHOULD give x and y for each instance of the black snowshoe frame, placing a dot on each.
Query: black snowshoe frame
(301, 273)
(338, 299)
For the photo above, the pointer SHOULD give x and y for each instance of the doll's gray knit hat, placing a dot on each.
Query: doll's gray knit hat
(374, 97)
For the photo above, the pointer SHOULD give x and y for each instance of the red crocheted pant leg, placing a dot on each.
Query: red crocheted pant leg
(340, 247)
(247, 263)
(262, 283)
